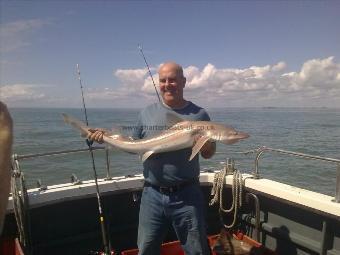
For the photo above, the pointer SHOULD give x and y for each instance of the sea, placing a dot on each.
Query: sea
(314, 131)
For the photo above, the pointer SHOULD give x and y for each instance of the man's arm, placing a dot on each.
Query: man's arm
(6, 137)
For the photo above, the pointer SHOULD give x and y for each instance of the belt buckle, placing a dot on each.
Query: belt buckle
(172, 189)
(163, 190)
(167, 190)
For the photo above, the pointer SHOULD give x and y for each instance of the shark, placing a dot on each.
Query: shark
(180, 134)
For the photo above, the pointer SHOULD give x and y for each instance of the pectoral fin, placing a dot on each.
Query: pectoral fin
(198, 145)
(146, 155)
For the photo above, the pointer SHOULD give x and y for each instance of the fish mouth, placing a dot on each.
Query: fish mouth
(242, 135)
(236, 137)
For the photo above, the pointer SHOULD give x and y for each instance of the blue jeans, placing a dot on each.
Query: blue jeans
(183, 209)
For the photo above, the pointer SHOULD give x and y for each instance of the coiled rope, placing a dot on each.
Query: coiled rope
(237, 189)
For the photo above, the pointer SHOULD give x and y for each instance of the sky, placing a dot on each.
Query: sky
(234, 53)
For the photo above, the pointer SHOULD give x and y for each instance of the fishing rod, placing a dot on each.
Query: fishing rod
(89, 144)
(154, 85)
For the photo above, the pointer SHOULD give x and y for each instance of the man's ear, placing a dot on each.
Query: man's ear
(184, 81)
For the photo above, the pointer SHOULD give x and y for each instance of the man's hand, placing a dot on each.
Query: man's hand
(208, 149)
(96, 135)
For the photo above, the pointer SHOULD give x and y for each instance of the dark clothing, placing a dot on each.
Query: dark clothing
(171, 195)
(184, 210)
(168, 168)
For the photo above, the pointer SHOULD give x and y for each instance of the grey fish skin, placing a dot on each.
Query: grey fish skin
(182, 135)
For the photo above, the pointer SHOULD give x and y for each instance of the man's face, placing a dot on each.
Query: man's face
(171, 85)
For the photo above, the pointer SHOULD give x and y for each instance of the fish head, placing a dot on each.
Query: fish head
(232, 137)
(226, 135)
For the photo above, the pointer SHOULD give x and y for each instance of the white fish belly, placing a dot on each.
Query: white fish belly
(177, 142)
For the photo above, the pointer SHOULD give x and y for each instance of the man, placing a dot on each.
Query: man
(171, 193)
(5, 157)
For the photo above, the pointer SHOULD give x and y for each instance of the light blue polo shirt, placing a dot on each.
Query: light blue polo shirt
(168, 168)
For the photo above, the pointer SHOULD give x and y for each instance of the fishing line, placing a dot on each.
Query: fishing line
(154, 85)
(89, 144)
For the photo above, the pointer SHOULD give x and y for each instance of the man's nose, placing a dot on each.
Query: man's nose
(168, 83)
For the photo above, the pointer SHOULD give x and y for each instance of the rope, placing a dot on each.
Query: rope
(20, 204)
(237, 189)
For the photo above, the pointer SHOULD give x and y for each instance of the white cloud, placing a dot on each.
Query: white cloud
(261, 85)
(15, 35)
(105, 94)
(316, 74)
(136, 81)
(131, 77)
(17, 92)
(41, 95)
(317, 83)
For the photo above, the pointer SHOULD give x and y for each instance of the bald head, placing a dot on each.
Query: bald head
(171, 84)
(172, 66)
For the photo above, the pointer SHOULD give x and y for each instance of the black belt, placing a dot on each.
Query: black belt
(171, 189)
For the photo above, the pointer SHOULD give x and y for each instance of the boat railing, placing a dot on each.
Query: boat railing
(53, 153)
(261, 150)
(19, 189)
(16, 157)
